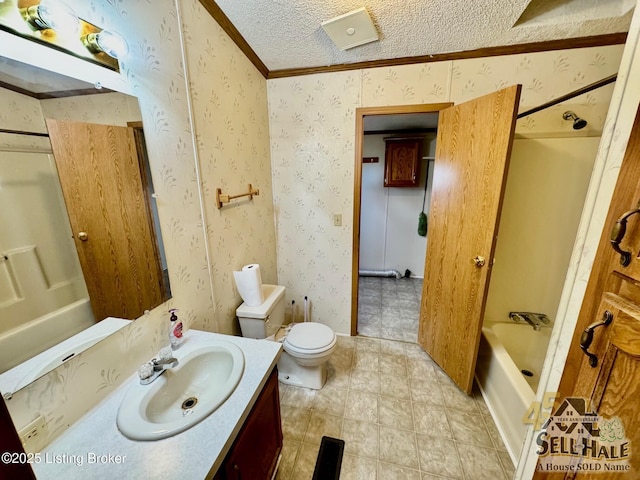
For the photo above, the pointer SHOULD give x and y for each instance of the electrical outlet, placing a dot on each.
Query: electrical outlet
(32, 435)
(337, 219)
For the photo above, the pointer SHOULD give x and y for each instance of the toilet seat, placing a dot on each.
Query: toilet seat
(309, 338)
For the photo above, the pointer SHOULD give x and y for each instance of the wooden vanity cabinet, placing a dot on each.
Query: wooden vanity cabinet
(402, 162)
(254, 454)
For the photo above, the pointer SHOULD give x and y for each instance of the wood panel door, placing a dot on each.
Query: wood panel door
(102, 187)
(472, 155)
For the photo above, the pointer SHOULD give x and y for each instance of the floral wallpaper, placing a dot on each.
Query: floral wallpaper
(312, 127)
(312, 121)
(103, 108)
(21, 112)
(232, 133)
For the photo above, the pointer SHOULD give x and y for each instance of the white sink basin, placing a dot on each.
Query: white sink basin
(182, 396)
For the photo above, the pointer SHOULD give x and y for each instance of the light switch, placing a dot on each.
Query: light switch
(337, 219)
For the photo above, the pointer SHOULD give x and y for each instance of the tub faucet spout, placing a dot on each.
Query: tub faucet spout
(536, 320)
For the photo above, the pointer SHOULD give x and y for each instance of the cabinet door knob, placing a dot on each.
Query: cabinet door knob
(83, 236)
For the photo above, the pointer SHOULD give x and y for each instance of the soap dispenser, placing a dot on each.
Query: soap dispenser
(176, 337)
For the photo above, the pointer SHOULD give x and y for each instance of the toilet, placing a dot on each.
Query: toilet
(307, 346)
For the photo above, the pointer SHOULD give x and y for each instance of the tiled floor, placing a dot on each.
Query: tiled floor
(399, 415)
(389, 307)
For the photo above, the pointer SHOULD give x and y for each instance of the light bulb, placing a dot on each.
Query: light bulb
(55, 15)
(111, 43)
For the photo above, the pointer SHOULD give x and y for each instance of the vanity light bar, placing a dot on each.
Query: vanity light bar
(55, 22)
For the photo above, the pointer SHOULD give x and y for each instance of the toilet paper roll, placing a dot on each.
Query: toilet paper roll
(249, 284)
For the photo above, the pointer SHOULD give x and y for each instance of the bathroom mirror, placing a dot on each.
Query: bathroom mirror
(44, 298)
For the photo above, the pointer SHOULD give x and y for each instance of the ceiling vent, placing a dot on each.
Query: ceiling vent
(351, 29)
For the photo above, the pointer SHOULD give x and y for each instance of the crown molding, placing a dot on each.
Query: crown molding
(564, 44)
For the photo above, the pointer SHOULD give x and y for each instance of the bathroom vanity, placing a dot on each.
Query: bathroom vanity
(241, 439)
(256, 451)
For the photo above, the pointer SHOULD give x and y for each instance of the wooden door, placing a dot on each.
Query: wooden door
(472, 155)
(101, 183)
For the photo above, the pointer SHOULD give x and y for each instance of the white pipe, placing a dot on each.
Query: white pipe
(380, 273)
(306, 308)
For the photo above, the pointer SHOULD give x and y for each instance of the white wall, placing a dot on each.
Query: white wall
(545, 191)
(389, 237)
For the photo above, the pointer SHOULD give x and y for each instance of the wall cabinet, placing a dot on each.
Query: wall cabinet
(402, 162)
(254, 454)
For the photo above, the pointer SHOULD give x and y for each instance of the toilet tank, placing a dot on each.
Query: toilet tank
(265, 319)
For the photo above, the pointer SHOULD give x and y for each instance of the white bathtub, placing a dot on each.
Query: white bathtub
(21, 375)
(507, 348)
(23, 342)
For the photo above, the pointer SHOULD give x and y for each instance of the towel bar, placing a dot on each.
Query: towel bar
(222, 198)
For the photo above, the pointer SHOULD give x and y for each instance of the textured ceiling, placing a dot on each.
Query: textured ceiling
(287, 33)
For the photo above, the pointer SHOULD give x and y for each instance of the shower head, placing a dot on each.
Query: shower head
(578, 122)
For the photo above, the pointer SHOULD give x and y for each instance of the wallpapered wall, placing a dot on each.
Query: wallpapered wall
(21, 112)
(232, 132)
(312, 145)
(103, 108)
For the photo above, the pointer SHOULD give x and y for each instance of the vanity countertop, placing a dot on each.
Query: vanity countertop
(94, 448)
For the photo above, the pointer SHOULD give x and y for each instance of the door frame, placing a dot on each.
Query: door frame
(357, 185)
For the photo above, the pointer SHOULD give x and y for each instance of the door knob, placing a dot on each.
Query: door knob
(479, 261)
(84, 236)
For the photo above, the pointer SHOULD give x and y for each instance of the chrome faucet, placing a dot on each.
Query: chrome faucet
(151, 370)
(536, 320)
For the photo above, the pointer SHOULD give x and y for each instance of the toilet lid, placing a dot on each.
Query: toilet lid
(310, 336)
